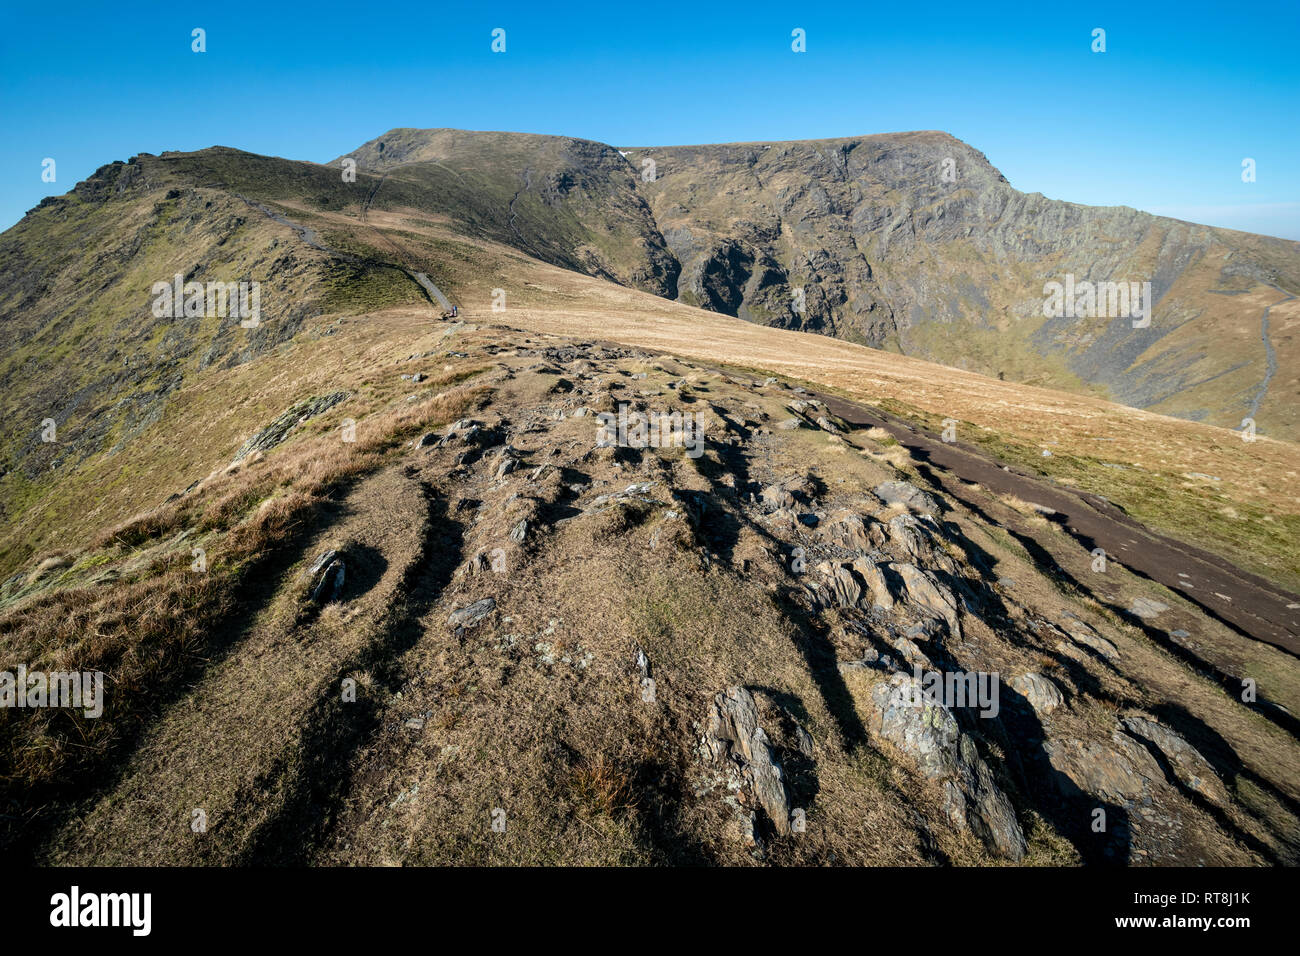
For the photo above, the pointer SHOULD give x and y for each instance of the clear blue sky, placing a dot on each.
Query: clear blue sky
(1160, 121)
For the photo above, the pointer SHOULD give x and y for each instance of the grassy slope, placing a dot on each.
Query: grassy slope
(243, 718)
(1250, 514)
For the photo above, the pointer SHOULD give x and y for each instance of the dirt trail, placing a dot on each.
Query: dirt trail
(370, 197)
(1245, 601)
(305, 233)
(527, 177)
(432, 289)
(1269, 354)
(312, 239)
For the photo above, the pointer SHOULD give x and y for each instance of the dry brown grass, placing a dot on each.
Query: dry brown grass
(146, 631)
(139, 633)
(588, 772)
(600, 787)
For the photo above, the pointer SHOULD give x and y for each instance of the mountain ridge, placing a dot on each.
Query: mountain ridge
(636, 654)
(880, 251)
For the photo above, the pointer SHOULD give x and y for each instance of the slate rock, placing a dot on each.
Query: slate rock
(472, 614)
(1191, 769)
(733, 734)
(922, 591)
(907, 494)
(928, 732)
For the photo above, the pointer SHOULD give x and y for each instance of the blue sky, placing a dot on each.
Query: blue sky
(1161, 121)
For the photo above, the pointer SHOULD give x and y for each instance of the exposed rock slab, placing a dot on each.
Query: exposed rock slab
(733, 734)
(907, 494)
(930, 735)
(1191, 769)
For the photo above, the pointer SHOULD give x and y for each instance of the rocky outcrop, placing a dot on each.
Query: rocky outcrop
(734, 742)
(851, 531)
(928, 733)
(1190, 768)
(279, 428)
(922, 591)
(839, 588)
(877, 589)
(1144, 756)
(1120, 773)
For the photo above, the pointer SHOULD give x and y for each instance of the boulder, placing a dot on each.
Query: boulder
(907, 494)
(906, 649)
(1040, 693)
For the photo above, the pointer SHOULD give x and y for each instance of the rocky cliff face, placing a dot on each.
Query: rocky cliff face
(915, 242)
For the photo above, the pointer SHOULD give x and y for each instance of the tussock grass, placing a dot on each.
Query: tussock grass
(151, 629)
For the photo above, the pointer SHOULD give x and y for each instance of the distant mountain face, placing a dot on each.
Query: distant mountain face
(569, 202)
(912, 242)
(915, 242)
